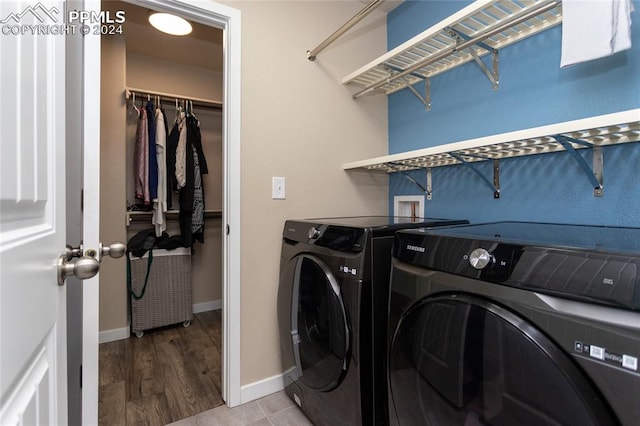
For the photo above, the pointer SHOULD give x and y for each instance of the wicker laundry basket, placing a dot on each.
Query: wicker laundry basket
(168, 296)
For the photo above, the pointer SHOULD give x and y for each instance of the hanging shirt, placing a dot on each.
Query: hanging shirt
(181, 151)
(160, 203)
(141, 160)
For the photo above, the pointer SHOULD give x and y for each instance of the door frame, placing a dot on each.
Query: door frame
(229, 20)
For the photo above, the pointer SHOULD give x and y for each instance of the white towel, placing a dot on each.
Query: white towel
(622, 31)
(593, 29)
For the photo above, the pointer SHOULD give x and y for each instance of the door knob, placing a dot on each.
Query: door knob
(82, 268)
(114, 250)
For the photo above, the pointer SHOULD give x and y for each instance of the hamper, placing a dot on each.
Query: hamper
(167, 298)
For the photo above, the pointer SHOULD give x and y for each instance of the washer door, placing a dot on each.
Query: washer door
(460, 360)
(319, 327)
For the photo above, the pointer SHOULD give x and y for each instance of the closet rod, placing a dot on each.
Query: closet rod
(311, 54)
(170, 97)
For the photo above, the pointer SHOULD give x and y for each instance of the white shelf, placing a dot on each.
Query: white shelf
(494, 24)
(609, 129)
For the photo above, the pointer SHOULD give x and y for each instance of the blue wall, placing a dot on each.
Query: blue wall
(534, 91)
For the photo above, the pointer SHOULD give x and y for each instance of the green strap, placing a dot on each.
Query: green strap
(146, 278)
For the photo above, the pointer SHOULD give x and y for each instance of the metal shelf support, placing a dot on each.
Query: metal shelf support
(495, 185)
(593, 173)
(426, 190)
(492, 75)
(426, 99)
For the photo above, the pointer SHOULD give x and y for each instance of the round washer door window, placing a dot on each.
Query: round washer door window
(319, 331)
(459, 360)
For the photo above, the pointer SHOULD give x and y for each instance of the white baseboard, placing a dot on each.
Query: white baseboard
(124, 333)
(213, 305)
(264, 387)
(113, 335)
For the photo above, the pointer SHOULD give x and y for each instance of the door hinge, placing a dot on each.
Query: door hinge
(228, 229)
(82, 200)
(80, 376)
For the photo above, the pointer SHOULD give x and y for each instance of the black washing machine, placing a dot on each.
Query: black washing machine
(332, 306)
(515, 324)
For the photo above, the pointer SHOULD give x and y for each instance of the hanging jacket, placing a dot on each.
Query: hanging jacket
(153, 160)
(172, 146)
(200, 167)
(191, 217)
(195, 138)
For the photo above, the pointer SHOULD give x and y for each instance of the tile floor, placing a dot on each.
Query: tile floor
(272, 410)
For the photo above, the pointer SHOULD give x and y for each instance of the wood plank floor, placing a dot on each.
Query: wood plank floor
(166, 375)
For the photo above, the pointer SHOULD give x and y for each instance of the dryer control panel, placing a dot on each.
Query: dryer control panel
(334, 237)
(597, 275)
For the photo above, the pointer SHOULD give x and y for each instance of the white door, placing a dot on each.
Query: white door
(33, 333)
(33, 387)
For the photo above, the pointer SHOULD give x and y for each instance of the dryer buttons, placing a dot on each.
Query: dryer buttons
(481, 258)
(313, 233)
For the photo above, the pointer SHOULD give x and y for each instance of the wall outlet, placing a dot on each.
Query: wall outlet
(277, 188)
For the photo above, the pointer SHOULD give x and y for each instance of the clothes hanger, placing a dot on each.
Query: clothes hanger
(134, 109)
(191, 109)
(133, 104)
(178, 109)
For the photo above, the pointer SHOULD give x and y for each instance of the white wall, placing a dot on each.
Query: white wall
(113, 290)
(300, 122)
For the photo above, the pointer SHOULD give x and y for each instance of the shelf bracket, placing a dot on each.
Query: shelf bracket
(492, 75)
(426, 99)
(495, 185)
(595, 173)
(429, 186)
(426, 190)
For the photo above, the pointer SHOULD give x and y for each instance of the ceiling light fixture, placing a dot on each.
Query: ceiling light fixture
(170, 24)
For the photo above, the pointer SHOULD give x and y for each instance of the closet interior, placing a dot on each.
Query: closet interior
(181, 75)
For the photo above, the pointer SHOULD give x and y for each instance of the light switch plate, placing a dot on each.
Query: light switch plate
(277, 188)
